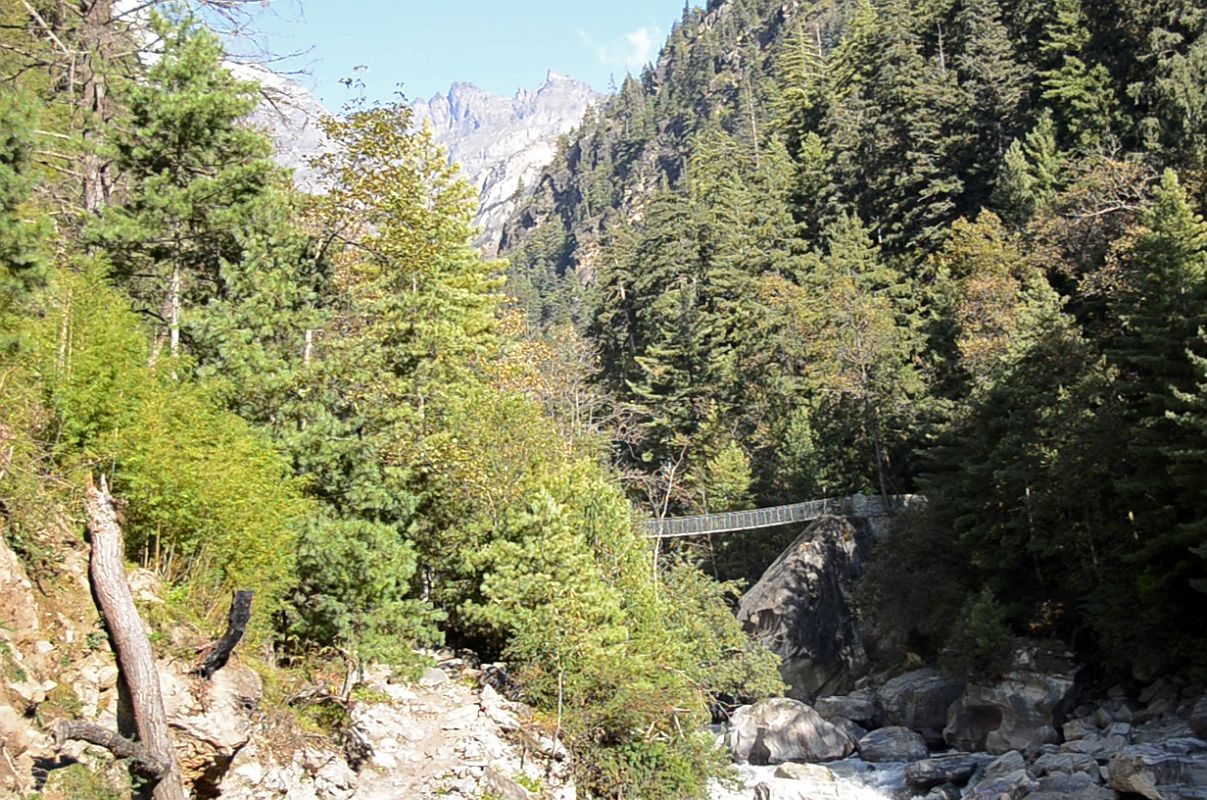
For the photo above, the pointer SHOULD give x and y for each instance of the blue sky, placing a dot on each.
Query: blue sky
(500, 45)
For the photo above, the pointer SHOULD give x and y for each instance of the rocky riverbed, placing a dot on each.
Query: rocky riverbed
(926, 736)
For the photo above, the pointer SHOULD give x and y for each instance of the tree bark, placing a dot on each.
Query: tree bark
(174, 312)
(96, 37)
(135, 661)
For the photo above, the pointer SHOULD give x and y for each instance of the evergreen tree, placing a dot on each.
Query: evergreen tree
(994, 80)
(1030, 174)
(1081, 92)
(195, 172)
(259, 336)
(897, 130)
(1161, 309)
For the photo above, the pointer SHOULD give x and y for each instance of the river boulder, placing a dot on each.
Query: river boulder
(954, 769)
(1070, 786)
(893, 743)
(1172, 770)
(1004, 779)
(859, 707)
(782, 729)
(801, 608)
(1019, 711)
(919, 700)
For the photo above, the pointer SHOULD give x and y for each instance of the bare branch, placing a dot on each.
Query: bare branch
(142, 762)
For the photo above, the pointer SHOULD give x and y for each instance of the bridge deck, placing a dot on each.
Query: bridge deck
(855, 506)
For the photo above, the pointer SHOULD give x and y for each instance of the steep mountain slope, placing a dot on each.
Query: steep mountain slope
(503, 143)
(717, 71)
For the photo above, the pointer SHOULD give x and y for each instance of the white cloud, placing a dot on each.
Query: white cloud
(632, 51)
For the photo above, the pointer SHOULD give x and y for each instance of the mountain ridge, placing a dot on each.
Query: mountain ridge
(503, 143)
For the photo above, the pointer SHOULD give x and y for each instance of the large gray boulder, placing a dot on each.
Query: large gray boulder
(893, 743)
(919, 700)
(1065, 764)
(1020, 711)
(782, 729)
(1004, 779)
(1172, 770)
(801, 608)
(1011, 786)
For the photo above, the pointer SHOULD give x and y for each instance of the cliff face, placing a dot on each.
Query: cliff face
(502, 143)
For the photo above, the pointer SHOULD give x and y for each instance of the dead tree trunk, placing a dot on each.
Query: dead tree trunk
(96, 31)
(240, 615)
(135, 661)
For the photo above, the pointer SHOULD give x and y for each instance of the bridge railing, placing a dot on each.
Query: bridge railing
(859, 505)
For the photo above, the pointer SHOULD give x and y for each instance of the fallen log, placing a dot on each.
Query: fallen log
(135, 661)
(240, 615)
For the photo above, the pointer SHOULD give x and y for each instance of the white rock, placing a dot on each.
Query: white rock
(781, 729)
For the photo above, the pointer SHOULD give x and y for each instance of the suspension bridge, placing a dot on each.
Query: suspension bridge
(859, 505)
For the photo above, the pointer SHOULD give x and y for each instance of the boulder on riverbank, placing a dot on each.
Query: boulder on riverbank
(801, 608)
(1172, 770)
(919, 700)
(1020, 710)
(893, 743)
(782, 729)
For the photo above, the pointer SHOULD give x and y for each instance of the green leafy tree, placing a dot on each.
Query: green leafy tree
(725, 480)
(862, 342)
(210, 503)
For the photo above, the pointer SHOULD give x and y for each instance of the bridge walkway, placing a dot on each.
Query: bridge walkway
(859, 505)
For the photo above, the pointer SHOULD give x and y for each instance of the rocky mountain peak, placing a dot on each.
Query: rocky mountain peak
(501, 142)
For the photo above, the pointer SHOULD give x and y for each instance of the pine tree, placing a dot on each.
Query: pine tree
(798, 102)
(994, 80)
(1082, 93)
(1030, 174)
(1188, 455)
(195, 172)
(1162, 310)
(258, 337)
(896, 127)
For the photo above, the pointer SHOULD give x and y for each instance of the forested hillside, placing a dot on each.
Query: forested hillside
(952, 247)
(323, 399)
